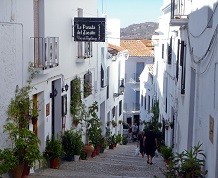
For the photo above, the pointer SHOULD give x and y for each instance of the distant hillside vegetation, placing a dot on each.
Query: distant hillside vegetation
(138, 31)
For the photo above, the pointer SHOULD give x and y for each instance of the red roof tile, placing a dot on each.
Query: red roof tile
(137, 47)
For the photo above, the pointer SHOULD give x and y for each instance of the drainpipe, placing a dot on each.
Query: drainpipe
(12, 23)
(196, 119)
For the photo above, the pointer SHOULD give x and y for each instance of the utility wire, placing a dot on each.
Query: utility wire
(196, 36)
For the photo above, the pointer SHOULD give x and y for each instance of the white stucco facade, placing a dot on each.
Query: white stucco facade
(186, 87)
(54, 25)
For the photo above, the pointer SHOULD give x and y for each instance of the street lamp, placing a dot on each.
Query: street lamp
(121, 90)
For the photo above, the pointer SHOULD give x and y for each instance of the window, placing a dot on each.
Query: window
(113, 112)
(102, 77)
(108, 79)
(141, 100)
(149, 100)
(162, 51)
(145, 102)
(64, 105)
(169, 60)
(177, 60)
(87, 84)
(120, 107)
(182, 63)
(139, 68)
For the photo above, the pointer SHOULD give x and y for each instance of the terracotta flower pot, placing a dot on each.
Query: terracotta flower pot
(97, 149)
(89, 148)
(55, 163)
(17, 171)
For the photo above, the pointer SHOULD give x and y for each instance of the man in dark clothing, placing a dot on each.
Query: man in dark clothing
(150, 142)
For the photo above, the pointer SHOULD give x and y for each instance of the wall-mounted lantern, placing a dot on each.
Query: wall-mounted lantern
(121, 90)
(65, 88)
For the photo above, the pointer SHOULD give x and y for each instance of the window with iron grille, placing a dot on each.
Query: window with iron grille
(169, 60)
(182, 63)
(120, 107)
(87, 84)
(177, 60)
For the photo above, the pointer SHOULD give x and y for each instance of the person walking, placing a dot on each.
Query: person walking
(150, 143)
(134, 132)
(141, 144)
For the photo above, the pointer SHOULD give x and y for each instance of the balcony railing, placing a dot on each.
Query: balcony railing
(46, 52)
(136, 107)
(179, 12)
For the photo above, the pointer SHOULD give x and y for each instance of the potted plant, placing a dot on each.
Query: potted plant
(108, 123)
(53, 151)
(93, 126)
(167, 124)
(118, 138)
(120, 122)
(114, 124)
(103, 144)
(124, 140)
(167, 153)
(187, 164)
(78, 144)
(77, 107)
(25, 144)
(68, 144)
(110, 138)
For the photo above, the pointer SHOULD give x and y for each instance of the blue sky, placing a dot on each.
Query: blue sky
(131, 11)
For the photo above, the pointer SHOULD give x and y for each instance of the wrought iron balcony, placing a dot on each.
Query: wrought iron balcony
(46, 52)
(179, 13)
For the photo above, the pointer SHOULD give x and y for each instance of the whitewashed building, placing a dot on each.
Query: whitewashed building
(43, 35)
(185, 61)
(139, 57)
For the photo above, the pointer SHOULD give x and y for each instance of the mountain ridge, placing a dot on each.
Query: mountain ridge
(139, 31)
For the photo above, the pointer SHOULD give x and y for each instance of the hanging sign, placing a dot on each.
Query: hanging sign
(89, 29)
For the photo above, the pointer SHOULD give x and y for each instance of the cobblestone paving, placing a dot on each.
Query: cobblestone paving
(120, 162)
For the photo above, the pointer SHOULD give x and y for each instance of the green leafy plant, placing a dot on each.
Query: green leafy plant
(53, 148)
(124, 140)
(114, 124)
(68, 143)
(118, 138)
(77, 107)
(103, 142)
(166, 152)
(187, 164)
(25, 144)
(93, 125)
(78, 144)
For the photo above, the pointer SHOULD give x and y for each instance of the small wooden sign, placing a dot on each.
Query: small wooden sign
(47, 109)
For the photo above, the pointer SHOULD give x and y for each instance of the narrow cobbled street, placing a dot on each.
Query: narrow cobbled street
(116, 163)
